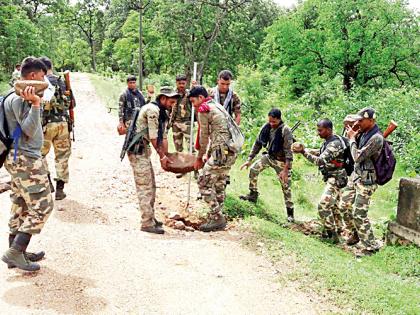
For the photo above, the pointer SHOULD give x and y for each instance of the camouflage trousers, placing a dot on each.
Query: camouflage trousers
(181, 130)
(328, 206)
(345, 205)
(360, 214)
(258, 166)
(56, 134)
(212, 181)
(31, 198)
(144, 178)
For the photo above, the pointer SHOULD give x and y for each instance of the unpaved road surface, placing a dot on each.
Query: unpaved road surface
(99, 262)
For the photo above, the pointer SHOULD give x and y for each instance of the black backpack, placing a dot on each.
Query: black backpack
(348, 158)
(6, 140)
(385, 164)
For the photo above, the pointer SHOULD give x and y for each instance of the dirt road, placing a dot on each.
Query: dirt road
(99, 262)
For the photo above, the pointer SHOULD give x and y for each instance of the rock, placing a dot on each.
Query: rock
(174, 216)
(189, 229)
(179, 225)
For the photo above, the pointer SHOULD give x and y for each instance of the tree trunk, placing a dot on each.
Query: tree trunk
(92, 53)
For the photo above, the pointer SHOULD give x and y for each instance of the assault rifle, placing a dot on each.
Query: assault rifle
(131, 132)
(294, 128)
(69, 93)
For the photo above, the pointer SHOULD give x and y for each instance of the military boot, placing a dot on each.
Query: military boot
(15, 255)
(290, 215)
(156, 229)
(252, 196)
(157, 222)
(60, 194)
(330, 236)
(353, 239)
(51, 184)
(30, 256)
(215, 224)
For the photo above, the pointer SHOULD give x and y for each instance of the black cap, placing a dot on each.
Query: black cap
(366, 113)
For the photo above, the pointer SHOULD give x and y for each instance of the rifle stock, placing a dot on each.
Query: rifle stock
(390, 129)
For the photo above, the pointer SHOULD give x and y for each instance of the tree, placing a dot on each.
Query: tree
(87, 15)
(364, 42)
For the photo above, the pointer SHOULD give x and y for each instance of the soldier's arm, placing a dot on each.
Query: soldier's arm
(121, 106)
(330, 153)
(256, 148)
(237, 108)
(287, 146)
(204, 134)
(30, 122)
(152, 117)
(370, 149)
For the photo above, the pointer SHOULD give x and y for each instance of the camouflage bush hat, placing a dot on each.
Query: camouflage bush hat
(168, 92)
(366, 113)
(351, 118)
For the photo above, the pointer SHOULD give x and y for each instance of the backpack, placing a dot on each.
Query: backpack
(6, 140)
(237, 138)
(348, 158)
(385, 164)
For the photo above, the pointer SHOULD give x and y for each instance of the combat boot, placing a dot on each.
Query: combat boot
(158, 223)
(15, 255)
(60, 194)
(215, 224)
(353, 239)
(153, 229)
(251, 197)
(30, 256)
(51, 184)
(330, 237)
(290, 215)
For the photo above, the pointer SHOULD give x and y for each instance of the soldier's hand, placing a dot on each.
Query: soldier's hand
(351, 133)
(198, 164)
(122, 130)
(247, 164)
(28, 94)
(284, 176)
(194, 83)
(164, 162)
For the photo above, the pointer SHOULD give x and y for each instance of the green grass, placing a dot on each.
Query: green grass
(386, 283)
(109, 91)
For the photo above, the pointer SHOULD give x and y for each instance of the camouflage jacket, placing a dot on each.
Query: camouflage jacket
(213, 128)
(56, 110)
(330, 154)
(234, 105)
(149, 119)
(181, 112)
(364, 155)
(285, 154)
(126, 107)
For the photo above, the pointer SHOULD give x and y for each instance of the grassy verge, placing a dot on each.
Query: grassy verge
(109, 91)
(387, 283)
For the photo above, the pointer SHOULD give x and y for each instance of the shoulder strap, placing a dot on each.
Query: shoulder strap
(6, 125)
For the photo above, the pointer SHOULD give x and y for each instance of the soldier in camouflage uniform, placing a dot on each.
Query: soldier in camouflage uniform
(277, 137)
(151, 127)
(181, 117)
(331, 164)
(214, 155)
(31, 197)
(128, 101)
(56, 126)
(365, 146)
(348, 194)
(224, 95)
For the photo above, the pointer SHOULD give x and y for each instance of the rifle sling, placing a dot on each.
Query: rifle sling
(137, 137)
